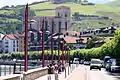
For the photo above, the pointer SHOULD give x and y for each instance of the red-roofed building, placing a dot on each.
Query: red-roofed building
(10, 43)
(77, 42)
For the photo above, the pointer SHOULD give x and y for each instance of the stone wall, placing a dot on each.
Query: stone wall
(35, 73)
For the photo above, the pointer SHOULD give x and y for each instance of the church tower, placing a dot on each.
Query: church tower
(63, 18)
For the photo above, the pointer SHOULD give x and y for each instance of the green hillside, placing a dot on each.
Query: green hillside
(48, 9)
(74, 8)
(12, 17)
(115, 3)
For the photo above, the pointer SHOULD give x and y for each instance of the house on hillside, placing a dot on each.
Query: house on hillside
(57, 1)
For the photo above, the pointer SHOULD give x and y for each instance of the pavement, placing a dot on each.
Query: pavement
(83, 72)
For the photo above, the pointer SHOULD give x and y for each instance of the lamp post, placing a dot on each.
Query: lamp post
(58, 48)
(26, 40)
(43, 43)
(52, 49)
(65, 48)
(62, 52)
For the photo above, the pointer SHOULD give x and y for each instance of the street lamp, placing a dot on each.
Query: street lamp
(62, 51)
(65, 48)
(26, 40)
(43, 64)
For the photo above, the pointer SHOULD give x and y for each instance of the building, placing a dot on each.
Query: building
(1, 45)
(21, 43)
(10, 43)
(55, 24)
(52, 25)
(78, 43)
(57, 1)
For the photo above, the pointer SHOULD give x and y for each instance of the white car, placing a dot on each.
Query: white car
(115, 68)
(76, 61)
(95, 64)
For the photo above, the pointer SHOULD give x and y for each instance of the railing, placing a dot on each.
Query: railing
(7, 69)
(29, 75)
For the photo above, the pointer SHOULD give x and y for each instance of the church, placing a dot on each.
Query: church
(54, 24)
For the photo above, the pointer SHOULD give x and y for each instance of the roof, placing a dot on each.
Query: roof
(73, 40)
(12, 36)
(69, 39)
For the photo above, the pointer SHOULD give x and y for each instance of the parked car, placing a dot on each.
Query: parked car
(76, 61)
(95, 64)
(115, 67)
(110, 65)
(86, 62)
(81, 61)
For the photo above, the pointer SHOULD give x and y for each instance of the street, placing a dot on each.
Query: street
(98, 75)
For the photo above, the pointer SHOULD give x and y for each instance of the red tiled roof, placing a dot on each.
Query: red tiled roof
(73, 40)
(13, 36)
(69, 39)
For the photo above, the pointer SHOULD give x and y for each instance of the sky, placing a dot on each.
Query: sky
(16, 2)
(20, 2)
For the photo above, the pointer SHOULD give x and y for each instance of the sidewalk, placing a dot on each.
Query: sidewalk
(77, 74)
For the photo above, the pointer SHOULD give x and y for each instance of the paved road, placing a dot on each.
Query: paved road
(100, 75)
(84, 73)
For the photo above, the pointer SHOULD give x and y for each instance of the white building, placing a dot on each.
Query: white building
(10, 43)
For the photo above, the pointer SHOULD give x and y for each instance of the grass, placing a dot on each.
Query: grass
(74, 8)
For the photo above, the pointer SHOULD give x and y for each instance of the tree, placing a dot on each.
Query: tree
(90, 42)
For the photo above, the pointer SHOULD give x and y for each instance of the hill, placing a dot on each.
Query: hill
(48, 9)
(115, 3)
(11, 18)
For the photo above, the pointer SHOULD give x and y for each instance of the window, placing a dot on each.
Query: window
(13, 49)
(14, 41)
(6, 46)
(17, 41)
(65, 15)
(6, 51)
(65, 25)
(17, 49)
(6, 42)
(59, 27)
(13, 45)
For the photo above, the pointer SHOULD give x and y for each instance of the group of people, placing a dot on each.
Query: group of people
(56, 68)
